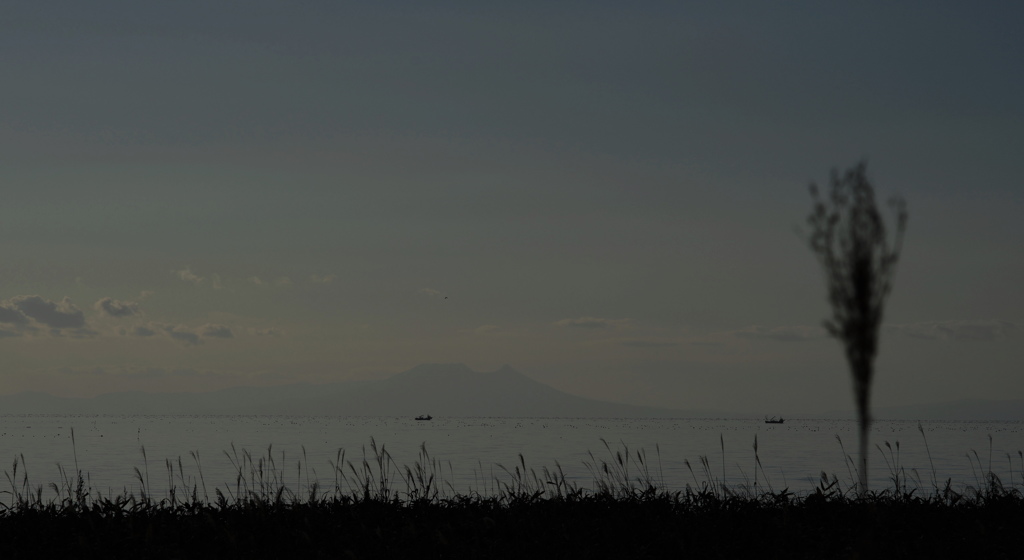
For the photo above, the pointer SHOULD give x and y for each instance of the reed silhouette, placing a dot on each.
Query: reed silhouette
(849, 238)
(375, 508)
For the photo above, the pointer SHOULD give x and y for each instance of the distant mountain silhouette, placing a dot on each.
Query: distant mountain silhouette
(442, 390)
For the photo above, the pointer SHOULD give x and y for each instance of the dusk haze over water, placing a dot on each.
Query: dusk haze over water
(609, 197)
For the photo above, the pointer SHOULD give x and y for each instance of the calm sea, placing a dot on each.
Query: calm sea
(472, 451)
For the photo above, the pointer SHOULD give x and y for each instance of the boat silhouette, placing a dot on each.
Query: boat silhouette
(773, 420)
(425, 417)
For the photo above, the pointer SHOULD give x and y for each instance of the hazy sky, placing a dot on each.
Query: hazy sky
(604, 195)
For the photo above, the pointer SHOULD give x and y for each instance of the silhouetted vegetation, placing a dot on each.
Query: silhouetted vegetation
(848, 236)
(372, 508)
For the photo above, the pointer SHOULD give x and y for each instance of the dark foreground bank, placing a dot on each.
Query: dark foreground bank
(375, 509)
(526, 526)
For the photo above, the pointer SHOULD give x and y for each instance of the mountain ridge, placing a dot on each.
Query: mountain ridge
(439, 389)
(452, 390)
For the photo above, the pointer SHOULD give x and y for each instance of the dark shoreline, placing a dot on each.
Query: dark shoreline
(527, 526)
(374, 508)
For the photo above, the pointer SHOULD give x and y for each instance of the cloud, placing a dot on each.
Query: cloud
(141, 373)
(637, 343)
(10, 315)
(115, 308)
(256, 280)
(90, 371)
(8, 334)
(957, 330)
(62, 315)
(325, 279)
(786, 334)
(215, 331)
(159, 373)
(216, 283)
(429, 292)
(74, 333)
(594, 323)
(140, 331)
(267, 332)
(187, 275)
(179, 333)
(486, 329)
(283, 281)
(189, 338)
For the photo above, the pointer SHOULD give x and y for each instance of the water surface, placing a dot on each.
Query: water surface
(473, 451)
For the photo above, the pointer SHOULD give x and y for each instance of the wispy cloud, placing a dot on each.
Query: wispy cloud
(325, 279)
(783, 333)
(187, 275)
(139, 330)
(280, 282)
(641, 343)
(486, 329)
(160, 373)
(215, 331)
(595, 323)
(180, 333)
(429, 292)
(958, 330)
(114, 308)
(147, 373)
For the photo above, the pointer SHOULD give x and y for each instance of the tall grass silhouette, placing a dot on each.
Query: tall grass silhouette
(849, 238)
(370, 506)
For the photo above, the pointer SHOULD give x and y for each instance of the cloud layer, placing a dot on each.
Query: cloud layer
(595, 323)
(182, 333)
(784, 333)
(958, 330)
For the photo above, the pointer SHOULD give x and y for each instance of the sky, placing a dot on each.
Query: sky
(610, 197)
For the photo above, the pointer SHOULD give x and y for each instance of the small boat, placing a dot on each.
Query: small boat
(773, 420)
(426, 417)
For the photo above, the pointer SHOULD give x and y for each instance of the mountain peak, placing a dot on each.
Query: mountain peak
(507, 371)
(440, 389)
(455, 369)
(434, 369)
